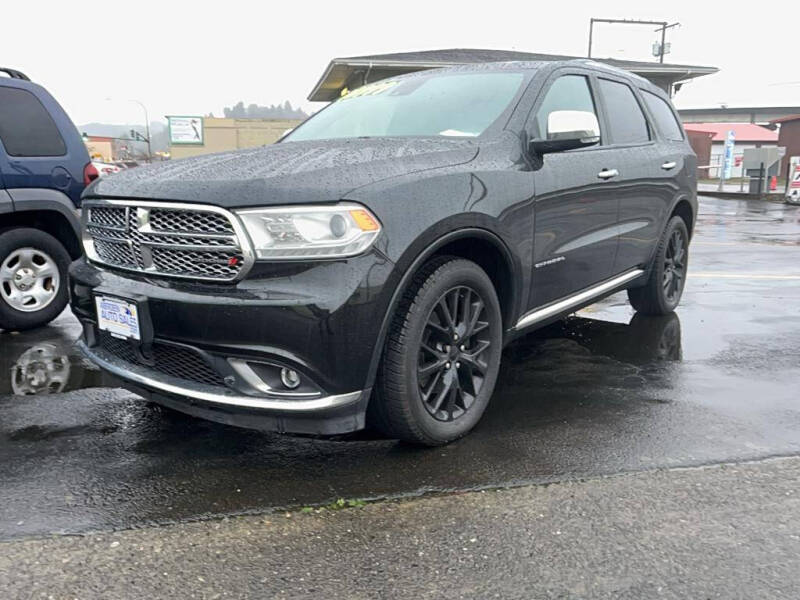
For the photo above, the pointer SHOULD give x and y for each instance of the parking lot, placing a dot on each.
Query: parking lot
(602, 393)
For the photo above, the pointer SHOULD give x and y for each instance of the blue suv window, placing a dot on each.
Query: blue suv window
(26, 128)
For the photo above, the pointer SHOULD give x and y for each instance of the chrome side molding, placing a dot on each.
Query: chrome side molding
(540, 314)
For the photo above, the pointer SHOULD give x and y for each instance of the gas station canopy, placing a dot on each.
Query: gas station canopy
(356, 71)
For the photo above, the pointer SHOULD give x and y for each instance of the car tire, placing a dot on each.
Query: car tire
(664, 287)
(41, 263)
(442, 355)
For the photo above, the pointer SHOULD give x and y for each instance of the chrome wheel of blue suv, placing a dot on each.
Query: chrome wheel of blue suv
(29, 279)
(33, 271)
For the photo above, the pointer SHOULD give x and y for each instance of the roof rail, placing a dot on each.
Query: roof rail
(14, 74)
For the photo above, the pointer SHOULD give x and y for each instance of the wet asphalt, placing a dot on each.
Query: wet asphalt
(601, 393)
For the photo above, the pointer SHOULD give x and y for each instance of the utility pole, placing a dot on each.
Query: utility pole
(663, 26)
(663, 30)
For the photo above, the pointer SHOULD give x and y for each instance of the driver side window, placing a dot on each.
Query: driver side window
(569, 92)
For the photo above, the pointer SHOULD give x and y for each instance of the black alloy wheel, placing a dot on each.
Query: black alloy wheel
(453, 354)
(442, 355)
(674, 266)
(664, 287)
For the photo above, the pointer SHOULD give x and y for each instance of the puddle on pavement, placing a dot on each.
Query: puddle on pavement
(48, 361)
(593, 352)
(43, 362)
(741, 217)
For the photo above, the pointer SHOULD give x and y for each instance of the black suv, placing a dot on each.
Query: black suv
(44, 167)
(369, 268)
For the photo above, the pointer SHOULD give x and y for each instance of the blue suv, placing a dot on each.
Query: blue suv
(44, 167)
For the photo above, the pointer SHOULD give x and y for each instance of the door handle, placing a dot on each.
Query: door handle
(608, 173)
(669, 165)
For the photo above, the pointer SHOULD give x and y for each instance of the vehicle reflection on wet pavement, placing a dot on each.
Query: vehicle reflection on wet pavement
(46, 361)
(604, 392)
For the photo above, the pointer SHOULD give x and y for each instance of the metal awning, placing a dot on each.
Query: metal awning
(355, 71)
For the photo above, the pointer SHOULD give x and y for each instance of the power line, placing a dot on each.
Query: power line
(663, 26)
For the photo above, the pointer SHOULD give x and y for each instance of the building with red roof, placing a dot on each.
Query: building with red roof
(743, 132)
(746, 135)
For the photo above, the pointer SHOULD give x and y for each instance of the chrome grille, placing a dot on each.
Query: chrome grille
(204, 263)
(176, 240)
(108, 217)
(116, 253)
(186, 221)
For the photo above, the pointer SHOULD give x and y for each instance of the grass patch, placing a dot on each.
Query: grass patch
(339, 504)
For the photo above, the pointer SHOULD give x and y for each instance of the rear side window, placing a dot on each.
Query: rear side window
(626, 121)
(26, 128)
(665, 118)
(570, 92)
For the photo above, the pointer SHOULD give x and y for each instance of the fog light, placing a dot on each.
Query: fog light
(290, 378)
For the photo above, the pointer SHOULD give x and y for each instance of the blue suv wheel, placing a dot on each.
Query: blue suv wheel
(33, 278)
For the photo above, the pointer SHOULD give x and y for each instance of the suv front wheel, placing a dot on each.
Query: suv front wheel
(33, 278)
(442, 355)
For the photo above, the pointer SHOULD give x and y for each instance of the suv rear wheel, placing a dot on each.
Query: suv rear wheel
(663, 290)
(33, 278)
(442, 355)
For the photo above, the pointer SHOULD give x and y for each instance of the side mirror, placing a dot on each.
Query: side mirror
(568, 129)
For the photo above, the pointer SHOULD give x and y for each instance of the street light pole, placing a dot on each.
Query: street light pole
(147, 127)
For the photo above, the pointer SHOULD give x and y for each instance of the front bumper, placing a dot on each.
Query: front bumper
(321, 415)
(321, 320)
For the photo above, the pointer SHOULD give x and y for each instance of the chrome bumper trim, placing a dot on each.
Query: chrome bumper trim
(540, 314)
(176, 387)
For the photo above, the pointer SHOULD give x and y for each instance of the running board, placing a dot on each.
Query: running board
(540, 314)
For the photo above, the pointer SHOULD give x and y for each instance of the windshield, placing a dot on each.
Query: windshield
(460, 104)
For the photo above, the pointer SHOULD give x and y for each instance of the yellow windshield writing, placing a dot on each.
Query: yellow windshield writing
(371, 89)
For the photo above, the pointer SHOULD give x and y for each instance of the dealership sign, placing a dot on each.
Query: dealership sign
(185, 130)
(728, 156)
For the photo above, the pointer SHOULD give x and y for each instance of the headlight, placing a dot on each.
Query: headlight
(306, 232)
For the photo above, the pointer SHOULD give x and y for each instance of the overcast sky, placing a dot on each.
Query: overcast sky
(195, 58)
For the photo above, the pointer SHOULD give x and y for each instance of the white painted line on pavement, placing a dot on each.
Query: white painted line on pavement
(701, 275)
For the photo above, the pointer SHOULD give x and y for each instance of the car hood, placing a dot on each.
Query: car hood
(285, 173)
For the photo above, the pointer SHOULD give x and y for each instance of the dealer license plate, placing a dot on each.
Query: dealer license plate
(119, 317)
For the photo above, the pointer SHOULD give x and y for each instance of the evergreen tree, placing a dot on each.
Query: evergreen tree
(273, 111)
